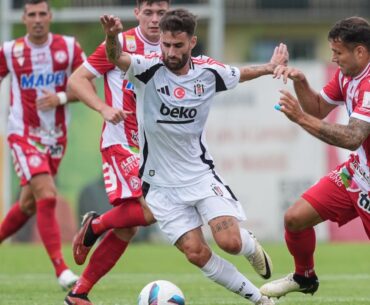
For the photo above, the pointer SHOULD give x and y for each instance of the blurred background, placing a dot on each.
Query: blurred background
(267, 160)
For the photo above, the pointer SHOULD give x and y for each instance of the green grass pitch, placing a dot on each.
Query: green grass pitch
(26, 276)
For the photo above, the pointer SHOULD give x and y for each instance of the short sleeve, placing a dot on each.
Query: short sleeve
(332, 92)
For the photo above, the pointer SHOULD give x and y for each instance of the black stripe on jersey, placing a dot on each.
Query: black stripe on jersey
(175, 122)
(145, 156)
(145, 188)
(148, 74)
(226, 186)
(203, 155)
(220, 84)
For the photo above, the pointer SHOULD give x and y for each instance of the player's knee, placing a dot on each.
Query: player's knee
(231, 244)
(293, 221)
(198, 256)
(28, 207)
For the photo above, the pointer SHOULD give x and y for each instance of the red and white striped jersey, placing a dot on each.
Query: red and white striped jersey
(118, 91)
(34, 68)
(354, 92)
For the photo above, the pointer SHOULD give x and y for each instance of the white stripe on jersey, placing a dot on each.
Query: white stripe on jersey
(22, 161)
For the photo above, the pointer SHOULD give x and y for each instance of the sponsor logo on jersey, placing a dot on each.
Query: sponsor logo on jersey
(60, 56)
(164, 90)
(129, 164)
(198, 88)
(364, 202)
(56, 151)
(186, 115)
(130, 43)
(179, 92)
(33, 80)
(128, 85)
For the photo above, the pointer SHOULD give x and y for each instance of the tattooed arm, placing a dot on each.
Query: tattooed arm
(279, 57)
(349, 136)
(112, 27)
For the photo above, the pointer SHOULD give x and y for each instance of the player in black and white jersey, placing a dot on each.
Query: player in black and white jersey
(174, 94)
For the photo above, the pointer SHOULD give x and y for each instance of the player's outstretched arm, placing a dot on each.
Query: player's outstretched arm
(80, 84)
(310, 100)
(349, 136)
(112, 26)
(279, 57)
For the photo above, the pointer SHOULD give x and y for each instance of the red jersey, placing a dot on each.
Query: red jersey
(33, 68)
(354, 92)
(118, 91)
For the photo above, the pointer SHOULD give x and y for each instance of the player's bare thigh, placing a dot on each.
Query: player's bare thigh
(226, 233)
(195, 247)
(301, 215)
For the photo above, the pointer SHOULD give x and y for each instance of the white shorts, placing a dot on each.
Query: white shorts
(181, 209)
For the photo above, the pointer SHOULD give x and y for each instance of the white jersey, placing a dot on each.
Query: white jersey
(172, 111)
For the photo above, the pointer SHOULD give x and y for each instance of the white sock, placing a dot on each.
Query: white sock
(224, 273)
(248, 243)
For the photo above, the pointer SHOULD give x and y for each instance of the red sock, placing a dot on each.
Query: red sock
(49, 232)
(302, 246)
(102, 260)
(13, 221)
(126, 215)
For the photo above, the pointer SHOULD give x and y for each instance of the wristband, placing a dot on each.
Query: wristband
(62, 96)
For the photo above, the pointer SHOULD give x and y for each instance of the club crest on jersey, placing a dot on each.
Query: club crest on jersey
(198, 88)
(135, 183)
(217, 189)
(179, 92)
(60, 56)
(130, 43)
(34, 161)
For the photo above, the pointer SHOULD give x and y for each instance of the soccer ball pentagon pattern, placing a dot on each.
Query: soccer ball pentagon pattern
(161, 293)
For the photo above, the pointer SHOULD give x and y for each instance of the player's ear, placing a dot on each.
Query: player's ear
(193, 41)
(136, 12)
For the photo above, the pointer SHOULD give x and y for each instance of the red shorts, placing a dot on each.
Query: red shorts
(31, 158)
(120, 171)
(333, 201)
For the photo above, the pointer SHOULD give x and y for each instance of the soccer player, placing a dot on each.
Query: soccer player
(39, 64)
(119, 149)
(343, 194)
(173, 94)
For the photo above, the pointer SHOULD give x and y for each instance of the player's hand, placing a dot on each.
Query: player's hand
(288, 72)
(114, 115)
(280, 56)
(289, 105)
(111, 25)
(49, 100)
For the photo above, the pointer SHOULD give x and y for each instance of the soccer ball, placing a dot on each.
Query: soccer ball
(161, 293)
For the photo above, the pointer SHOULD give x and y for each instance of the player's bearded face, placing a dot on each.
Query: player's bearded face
(346, 58)
(176, 50)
